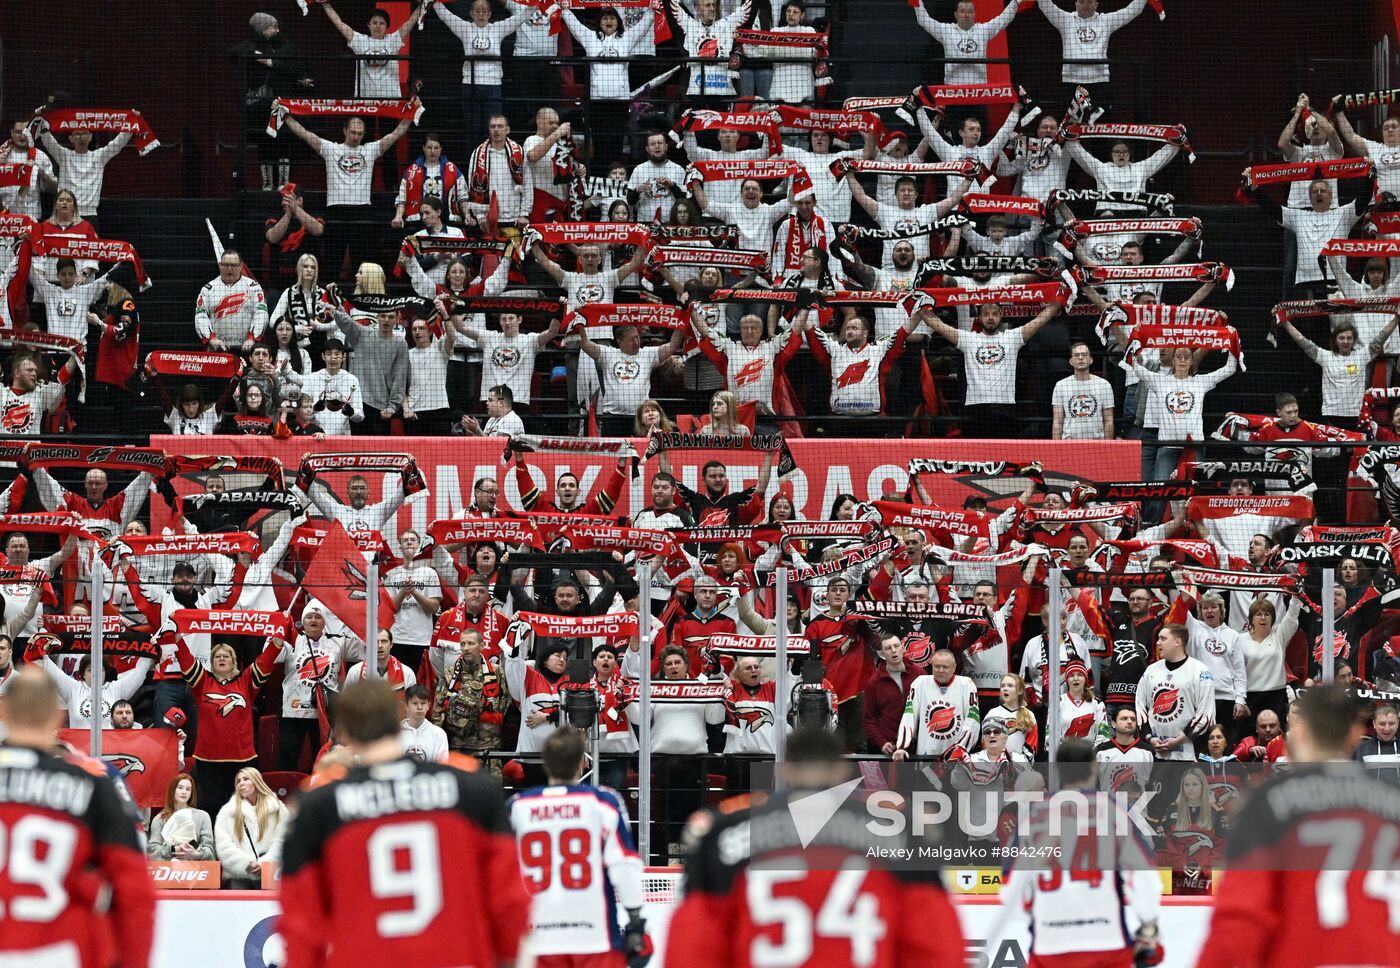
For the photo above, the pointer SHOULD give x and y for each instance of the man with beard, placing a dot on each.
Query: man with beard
(693, 631)
(901, 276)
(103, 515)
(716, 506)
(359, 514)
(1134, 635)
(886, 694)
(859, 366)
(905, 215)
(990, 359)
(831, 192)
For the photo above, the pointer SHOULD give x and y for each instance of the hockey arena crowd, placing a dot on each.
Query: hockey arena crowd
(597, 323)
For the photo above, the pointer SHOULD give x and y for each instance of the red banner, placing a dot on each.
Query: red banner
(548, 625)
(146, 758)
(868, 469)
(190, 621)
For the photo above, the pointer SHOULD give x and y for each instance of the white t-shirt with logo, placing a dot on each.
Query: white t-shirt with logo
(376, 72)
(1083, 403)
(1180, 403)
(584, 288)
(654, 201)
(895, 219)
(412, 625)
(990, 362)
(349, 171)
(626, 379)
(510, 361)
(1386, 159)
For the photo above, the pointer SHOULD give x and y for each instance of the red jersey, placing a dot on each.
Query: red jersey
(601, 503)
(67, 843)
(692, 633)
(745, 906)
(225, 709)
(1311, 874)
(402, 863)
(840, 643)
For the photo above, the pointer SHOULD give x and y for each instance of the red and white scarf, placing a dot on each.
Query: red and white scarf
(1155, 336)
(614, 447)
(1369, 99)
(215, 366)
(1218, 578)
(1256, 175)
(414, 179)
(634, 314)
(1168, 134)
(1362, 248)
(1258, 426)
(402, 464)
(1179, 272)
(967, 167)
(512, 531)
(737, 169)
(98, 250)
(688, 255)
(586, 536)
(955, 521)
(195, 621)
(839, 122)
(409, 108)
(1273, 506)
(1125, 511)
(18, 174)
(148, 459)
(978, 203)
(939, 97)
(586, 233)
(479, 172)
(98, 119)
(661, 28)
(819, 43)
(1023, 293)
(799, 236)
(1135, 314)
(1081, 229)
(214, 543)
(761, 122)
(1015, 557)
(549, 625)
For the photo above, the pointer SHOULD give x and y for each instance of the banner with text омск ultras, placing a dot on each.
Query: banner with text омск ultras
(869, 469)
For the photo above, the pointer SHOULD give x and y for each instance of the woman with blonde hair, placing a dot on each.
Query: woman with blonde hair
(1193, 834)
(249, 830)
(369, 281)
(724, 416)
(1022, 733)
(651, 416)
(181, 831)
(306, 306)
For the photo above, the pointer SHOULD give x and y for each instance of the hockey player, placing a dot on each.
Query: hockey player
(747, 905)
(578, 862)
(1319, 843)
(1100, 871)
(400, 862)
(70, 841)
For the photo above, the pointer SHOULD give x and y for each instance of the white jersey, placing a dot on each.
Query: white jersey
(1220, 651)
(1086, 39)
(1123, 764)
(578, 862)
(308, 664)
(938, 718)
(1083, 403)
(1174, 702)
(1078, 901)
(24, 413)
(750, 372)
(413, 625)
(77, 695)
(233, 313)
(857, 377)
(1082, 719)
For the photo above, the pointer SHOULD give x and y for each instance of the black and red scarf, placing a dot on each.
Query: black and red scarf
(479, 173)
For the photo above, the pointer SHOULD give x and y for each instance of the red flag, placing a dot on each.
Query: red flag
(593, 416)
(146, 758)
(787, 403)
(336, 578)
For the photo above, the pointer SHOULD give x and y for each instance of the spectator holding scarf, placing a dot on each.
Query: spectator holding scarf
(1085, 35)
(708, 42)
(498, 172)
(430, 176)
